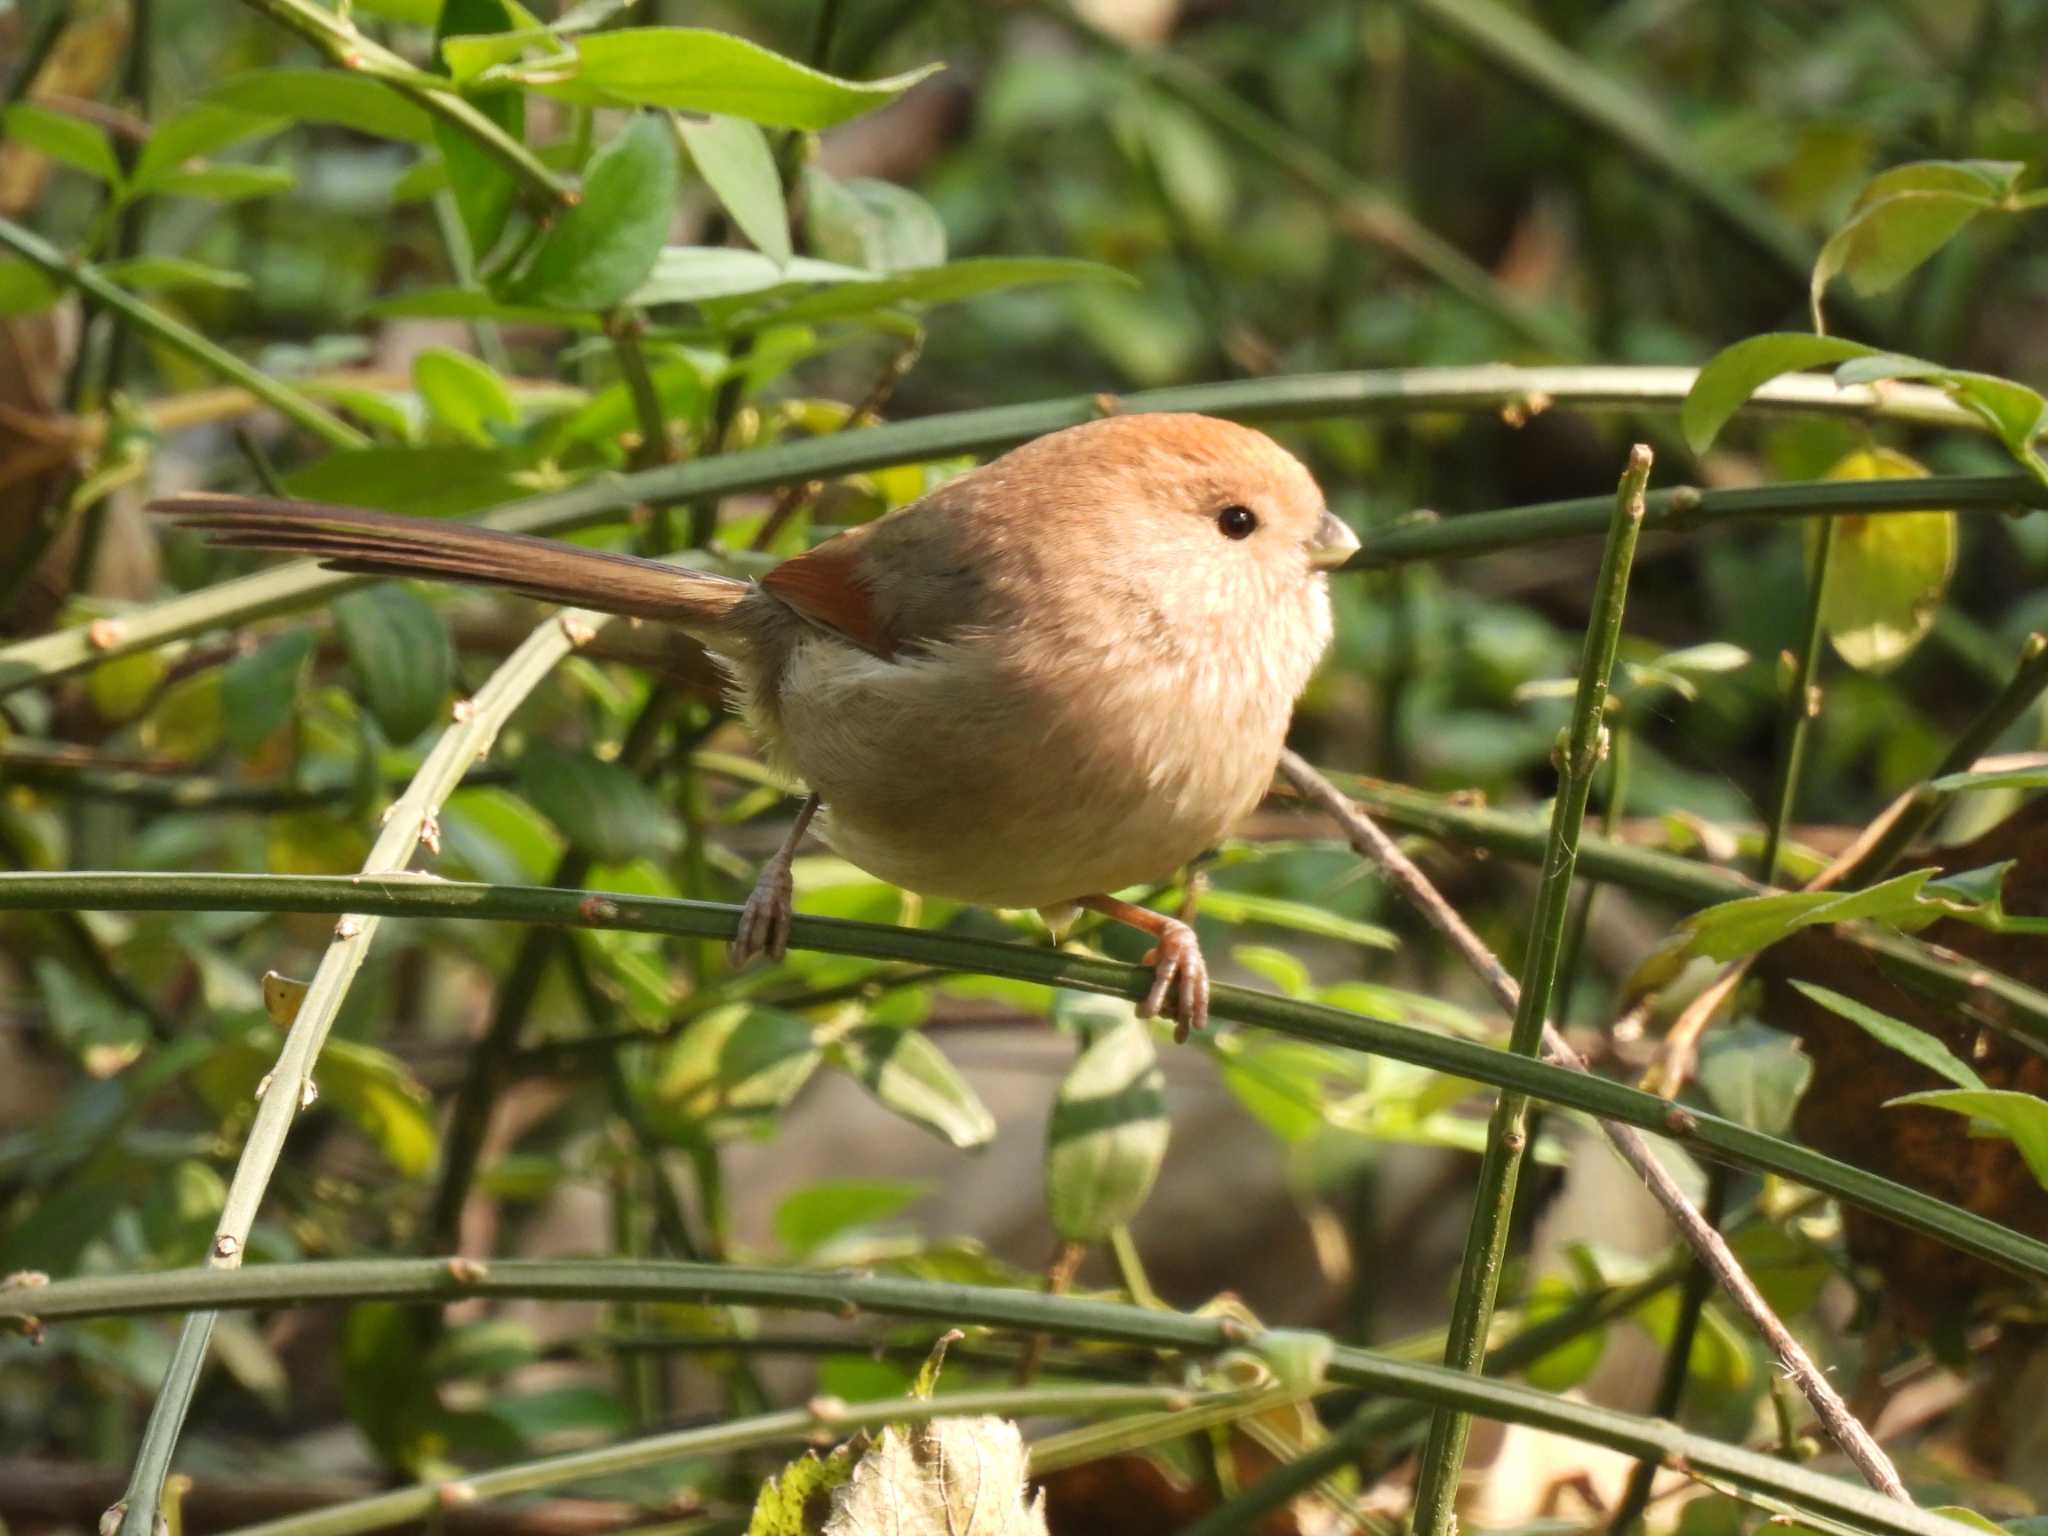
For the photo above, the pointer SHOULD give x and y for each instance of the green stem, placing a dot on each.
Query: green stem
(2013, 701)
(609, 498)
(469, 1119)
(338, 38)
(412, 896)
(439, 1281)
(174, 333)
(421, 1501)
(1683, 509)
(1578, 759)
(409, 820)
(1799, 706)
(1377, 1422)
(2001, 1001)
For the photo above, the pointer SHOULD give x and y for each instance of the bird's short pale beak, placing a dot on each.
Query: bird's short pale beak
(1332, 545)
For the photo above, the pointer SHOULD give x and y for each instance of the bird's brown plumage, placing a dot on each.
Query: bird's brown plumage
(1055, 676)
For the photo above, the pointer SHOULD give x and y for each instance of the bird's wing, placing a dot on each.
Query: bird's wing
(825, 586)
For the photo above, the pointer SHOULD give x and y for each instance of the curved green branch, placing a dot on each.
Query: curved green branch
(426, 896)
(442, 1280)
(608, 498)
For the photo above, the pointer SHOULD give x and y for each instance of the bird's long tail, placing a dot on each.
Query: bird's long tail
(391, 544)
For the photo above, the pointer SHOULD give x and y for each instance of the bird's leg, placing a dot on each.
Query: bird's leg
(764, 920)
(1180, 976)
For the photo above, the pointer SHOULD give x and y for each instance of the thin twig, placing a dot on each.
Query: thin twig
(1710, 1135)
(607, 499)
(1579, 753)
(866, 414)
(1980, 736)
(410, 822)
(1373, 844)
(1692, 1301)
(1801, 704)
(337, 37)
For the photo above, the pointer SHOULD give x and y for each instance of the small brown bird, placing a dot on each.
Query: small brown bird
(1059, 675)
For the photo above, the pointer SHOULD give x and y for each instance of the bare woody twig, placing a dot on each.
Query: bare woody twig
(1373, 844)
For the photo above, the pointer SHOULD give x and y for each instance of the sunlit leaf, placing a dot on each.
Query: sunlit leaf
(2020, 1116)
(1904, 216)
(77, 143)
(1888, 572)
(695, 70)
(224, 183)
(910, 1075)
(872, 225)
(809, 1217)
(1732, 375)
(1896, 1033)
(1754, 1076)
(1107, 1136)
(598, 252)
(463, 394)
(733, 157)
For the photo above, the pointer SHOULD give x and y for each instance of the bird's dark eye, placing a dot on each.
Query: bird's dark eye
(1237, 522)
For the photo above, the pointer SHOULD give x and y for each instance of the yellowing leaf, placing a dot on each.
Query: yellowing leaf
(1888, 573)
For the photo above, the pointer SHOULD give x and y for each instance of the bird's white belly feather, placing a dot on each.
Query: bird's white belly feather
(1116, 787)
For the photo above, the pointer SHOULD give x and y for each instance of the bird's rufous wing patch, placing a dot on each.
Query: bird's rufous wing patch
(824, 585)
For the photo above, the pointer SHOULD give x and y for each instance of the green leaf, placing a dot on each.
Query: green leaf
(377, 1093)
(603, 248)
(1571, 1361)
(401, 654)
(475, 304)
(873, 225)
(1737, 372)
(25, 287)
(2020, 1116)
(77, 143)
(911, 1076)
(1731, 930)
(485, 190)
(150, 274)
(691, 69)
(859, 294)
(542, 1417)
(224, 183)
(794, 1503)
(1247, 907)
(440, 481)
(733, 157)
(259, 692)
(1107, 1136)
(816, 1213)
(464, 395)
(102, 1034)
(1992, 778)
(1906, 214)
(1755, 1076)
(599, 807)
(1887, 574)
(2018, 415)
(203, 128)
(691, 274)
(1899, 1035)
(737, 1064)
(331, 96)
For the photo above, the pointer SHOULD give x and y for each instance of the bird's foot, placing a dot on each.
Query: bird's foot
(1180, 979)
(764, 920)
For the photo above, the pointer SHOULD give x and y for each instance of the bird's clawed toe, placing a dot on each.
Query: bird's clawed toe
(765, 919)
(1180, 980)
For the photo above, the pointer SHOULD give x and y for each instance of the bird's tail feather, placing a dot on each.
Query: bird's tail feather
(392, 544)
